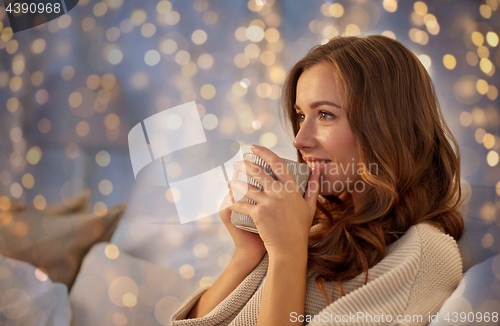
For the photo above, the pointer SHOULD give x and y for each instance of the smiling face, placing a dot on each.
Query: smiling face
(325, 133)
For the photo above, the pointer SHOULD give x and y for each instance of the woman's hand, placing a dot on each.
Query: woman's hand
(282, 216)
(248, 245)
(248, 254)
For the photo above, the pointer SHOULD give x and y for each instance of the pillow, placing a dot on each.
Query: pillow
(482, 226)
(476, 298)
(151, 230)
(115, 288)
(78, 203)
(58, 238)
(28, 297)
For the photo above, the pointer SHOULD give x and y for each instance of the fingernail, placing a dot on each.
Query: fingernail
(252, 147)
(235, 163)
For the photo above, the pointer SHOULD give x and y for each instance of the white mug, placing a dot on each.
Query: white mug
(299, 171)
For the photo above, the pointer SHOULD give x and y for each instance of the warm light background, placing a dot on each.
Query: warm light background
(71, 89)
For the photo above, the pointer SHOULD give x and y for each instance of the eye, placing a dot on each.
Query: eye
(324, 113)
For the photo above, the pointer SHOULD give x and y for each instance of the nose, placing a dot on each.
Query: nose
(305, 138)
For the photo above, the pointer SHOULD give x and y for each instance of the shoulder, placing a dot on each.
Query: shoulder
(424, 237)
(438, 269)
(422, 253)
(428, 251)
(435, 244)
(420, 270)
(439, 251)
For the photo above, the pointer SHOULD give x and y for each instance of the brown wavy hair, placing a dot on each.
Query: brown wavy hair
(394, 114)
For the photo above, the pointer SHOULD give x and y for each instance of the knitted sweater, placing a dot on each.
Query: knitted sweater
(418, 273)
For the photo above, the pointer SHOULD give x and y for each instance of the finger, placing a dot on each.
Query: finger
(243, 208)
(246, 189)
(226, 202)
(279, 167)
(313, 187)
(235, 175)
(231, 195)
(257, 172)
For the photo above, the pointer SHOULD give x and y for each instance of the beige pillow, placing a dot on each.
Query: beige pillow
(57, 238)
(78, 203)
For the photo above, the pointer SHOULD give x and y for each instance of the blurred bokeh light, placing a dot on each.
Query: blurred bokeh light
(71, 89)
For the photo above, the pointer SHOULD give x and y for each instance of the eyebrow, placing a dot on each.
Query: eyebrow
(318, 103)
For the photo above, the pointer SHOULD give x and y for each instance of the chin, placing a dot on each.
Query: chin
(326, 190)
(327, 185)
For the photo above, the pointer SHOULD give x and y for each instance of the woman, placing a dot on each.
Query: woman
(374, 244)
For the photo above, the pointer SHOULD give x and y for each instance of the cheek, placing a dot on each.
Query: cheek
(342, 147)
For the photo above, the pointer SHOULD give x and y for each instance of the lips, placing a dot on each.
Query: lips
(313, 161)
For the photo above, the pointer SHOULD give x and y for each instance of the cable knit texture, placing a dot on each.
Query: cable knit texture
(418, 273)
